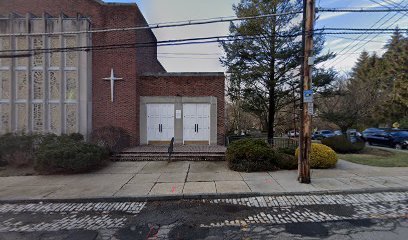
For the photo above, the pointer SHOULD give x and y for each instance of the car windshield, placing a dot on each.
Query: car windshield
(403, 134)
(326, 132)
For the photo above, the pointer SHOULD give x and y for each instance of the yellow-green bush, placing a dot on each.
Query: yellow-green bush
(321, 156)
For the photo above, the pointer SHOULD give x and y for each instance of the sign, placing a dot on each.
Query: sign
(308, 96)
(178, 114)
(310, 109)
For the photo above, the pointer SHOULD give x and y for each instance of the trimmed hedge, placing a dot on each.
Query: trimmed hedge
(287, 162)
(17, 150)
(249, 155)
(321, 156)
(65, 155)
(341, 144)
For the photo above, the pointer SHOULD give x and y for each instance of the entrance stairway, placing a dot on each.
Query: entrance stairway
(180, 153)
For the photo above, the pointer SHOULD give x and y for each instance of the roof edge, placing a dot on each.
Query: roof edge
(115, 3)
(184, 74)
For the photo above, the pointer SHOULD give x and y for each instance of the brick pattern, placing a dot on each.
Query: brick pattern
(189, 86)
(128, 64)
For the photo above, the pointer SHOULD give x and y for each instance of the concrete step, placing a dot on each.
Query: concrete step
(165, 157)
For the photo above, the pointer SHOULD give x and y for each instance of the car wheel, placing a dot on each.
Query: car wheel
(398, 146)
(370, 143)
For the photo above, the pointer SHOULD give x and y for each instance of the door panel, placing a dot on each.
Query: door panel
(160, 122)
(196, 123)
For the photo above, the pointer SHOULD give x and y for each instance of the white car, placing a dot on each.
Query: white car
(293, 133)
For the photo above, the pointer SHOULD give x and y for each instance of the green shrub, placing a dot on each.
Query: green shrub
(404, 123)
(288, 150)
(287, 162)
(341, 144)
(250, 155)
(65, 155)
(321, 156)
(17, 150)
(115, 139)
(76, 137)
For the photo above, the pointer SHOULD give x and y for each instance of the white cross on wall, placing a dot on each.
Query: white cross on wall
(112, 79)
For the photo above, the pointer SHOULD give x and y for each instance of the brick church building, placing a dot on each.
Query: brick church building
(82, 90)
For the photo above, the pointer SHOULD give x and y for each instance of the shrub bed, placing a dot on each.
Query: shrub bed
(321, 156)
(115, 139)
(249, 155)
(287, 162)
(341, 144)
(66, 155)
(17, 150)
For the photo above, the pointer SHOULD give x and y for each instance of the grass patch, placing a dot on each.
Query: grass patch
(378, 158)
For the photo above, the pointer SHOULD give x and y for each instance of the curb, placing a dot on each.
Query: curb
(202, 196)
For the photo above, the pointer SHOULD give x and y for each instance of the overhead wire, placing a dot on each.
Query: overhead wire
(362, 37)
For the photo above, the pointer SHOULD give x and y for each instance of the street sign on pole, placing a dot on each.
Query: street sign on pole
(308, 96)
(310, 108)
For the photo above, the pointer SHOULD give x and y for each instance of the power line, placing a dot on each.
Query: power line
(359, 37)
(196, 22)
(362, 10)
(354, 39)
(332, 62)
(157, 25)
(173, 42)
(360, 47)
(361, 29)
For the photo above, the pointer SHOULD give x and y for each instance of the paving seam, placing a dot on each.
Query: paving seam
(202, 196)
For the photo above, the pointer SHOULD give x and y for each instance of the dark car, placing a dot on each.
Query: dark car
(396, 139)
(319, 135)
(371, 131)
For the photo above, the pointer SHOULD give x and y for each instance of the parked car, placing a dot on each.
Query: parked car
(371, 131)
(319, 135)
(338, 132)
(293, 133)
(394, 139)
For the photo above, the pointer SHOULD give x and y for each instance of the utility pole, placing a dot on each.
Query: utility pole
(305, 138)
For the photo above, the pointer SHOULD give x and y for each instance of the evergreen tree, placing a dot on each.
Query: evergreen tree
(266, 62)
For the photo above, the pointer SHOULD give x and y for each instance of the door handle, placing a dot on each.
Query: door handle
(197, 128)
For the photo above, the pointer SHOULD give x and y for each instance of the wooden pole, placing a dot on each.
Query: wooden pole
(307, 106)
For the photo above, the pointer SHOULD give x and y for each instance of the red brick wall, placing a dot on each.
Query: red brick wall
(189, 86)
(127, 63)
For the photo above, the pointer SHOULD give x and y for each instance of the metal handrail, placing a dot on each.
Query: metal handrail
(171, 148)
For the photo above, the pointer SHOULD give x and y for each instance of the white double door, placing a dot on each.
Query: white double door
(160, 122)
(196, 123)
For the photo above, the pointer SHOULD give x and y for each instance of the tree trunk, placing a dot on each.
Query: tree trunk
(272, 84)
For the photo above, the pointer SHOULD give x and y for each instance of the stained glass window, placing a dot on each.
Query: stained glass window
(38, 117)
(38, 85)
(5, 45)
(55, 118)
(38, 59)
(5, 85)
(22, 85)
(55, 85)
(71, 57)
(71, 85)
(71, 118)
(21, 117)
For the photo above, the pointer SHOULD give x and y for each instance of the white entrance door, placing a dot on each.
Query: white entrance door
(160, 122)
(196, 123)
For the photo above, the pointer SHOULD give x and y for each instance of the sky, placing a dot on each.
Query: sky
(205, 57)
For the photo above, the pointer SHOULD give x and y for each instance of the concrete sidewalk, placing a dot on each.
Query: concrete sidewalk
(141, 179)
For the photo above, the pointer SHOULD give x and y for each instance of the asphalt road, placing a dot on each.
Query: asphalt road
(341, 216)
